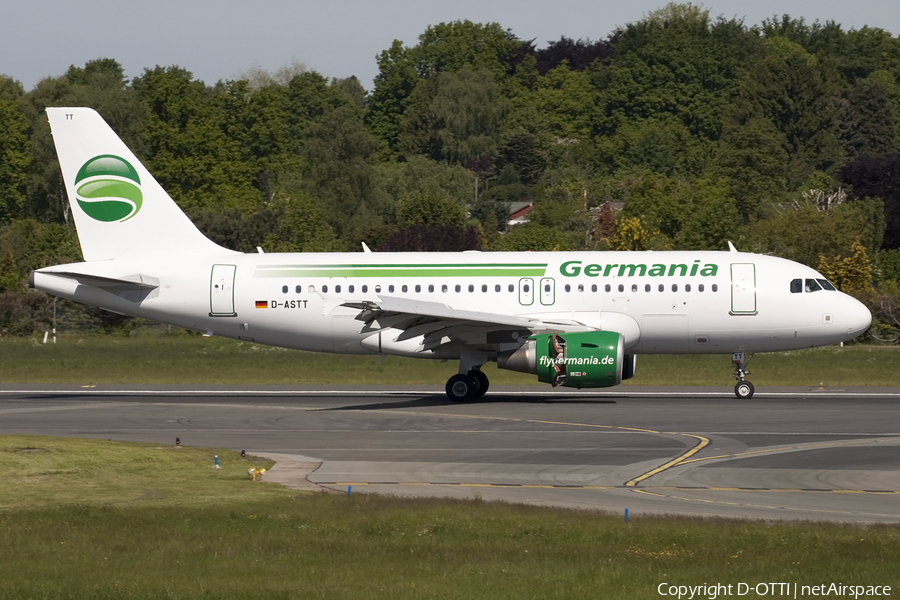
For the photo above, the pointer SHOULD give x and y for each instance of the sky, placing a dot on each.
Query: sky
(221, 39)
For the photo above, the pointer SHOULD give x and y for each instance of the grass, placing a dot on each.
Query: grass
(182, 358)
(74, 523)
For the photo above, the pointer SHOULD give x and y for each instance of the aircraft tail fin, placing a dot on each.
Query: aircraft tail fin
(119, 208)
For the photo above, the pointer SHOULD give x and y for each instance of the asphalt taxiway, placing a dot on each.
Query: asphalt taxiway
(787, 453)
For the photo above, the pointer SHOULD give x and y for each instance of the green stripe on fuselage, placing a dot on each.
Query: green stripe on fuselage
(450, 270)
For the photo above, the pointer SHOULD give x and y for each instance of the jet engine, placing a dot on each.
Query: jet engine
(585, 359)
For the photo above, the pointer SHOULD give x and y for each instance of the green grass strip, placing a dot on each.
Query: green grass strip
(92, 519)
(152, 358)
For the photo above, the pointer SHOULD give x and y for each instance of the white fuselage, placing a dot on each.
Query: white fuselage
(662, 302)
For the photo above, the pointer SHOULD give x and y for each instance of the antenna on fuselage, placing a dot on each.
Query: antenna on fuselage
(731, 247)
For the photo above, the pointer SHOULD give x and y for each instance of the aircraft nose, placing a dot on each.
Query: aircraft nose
(856, 317)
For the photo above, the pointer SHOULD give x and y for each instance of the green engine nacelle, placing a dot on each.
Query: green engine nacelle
(580, 360)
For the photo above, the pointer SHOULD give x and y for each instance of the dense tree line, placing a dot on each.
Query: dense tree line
(781, 137)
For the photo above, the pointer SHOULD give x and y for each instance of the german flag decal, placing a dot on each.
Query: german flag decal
(262, 304)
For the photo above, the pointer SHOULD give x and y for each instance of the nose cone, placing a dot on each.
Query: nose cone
(855, 317)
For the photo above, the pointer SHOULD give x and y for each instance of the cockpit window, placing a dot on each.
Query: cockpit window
(827, 285)
(813, 286)
(796, 286)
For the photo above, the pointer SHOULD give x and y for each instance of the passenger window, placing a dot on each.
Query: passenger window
(687, 287)
(662, 288)
(511, 288)
(430, 289)
(607, 287)
(444, 288)
(458, 288)
(568, 288)
(418, 288)
(471, 288)
(365, 289)
(284, 289)
(390, 288)
(497, 288)
(813, 286)
(621, 288)
(312, 289)
(324, 289)
(337, 289)
(297, 289)
(647, 288)
(580, 287)
(350, 289)
(526, 288)
(484, 287)
(700, 288)
(715, 287)
(404, 288)
(674, 287)
(378, 289)
(594, 287)
(796, 286)
(634, 287)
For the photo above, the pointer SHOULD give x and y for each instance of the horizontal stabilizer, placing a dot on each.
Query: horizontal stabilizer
(141, 282)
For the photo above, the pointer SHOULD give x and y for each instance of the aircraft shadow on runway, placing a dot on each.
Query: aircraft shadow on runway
(442, 400)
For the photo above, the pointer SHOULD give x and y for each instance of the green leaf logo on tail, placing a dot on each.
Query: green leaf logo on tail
(110, 190)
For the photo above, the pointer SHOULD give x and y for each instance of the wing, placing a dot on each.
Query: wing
(438, 324)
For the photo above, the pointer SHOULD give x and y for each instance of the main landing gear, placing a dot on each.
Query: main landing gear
(743, 389)
(468, 386)
(469, 383)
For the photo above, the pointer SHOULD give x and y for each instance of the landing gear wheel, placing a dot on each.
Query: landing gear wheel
(744, 390)
(461, 388)
(481, 383)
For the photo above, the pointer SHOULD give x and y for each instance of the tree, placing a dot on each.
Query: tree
(662, 145)
(454, 116)
(851, 275)
(532, 237)
(578, 55)
(419, 208)
(14, 156)
(878, 177)
(753, 158)
(675, 62)
(443, 237)
(802, 231)
(632, 235)
(463, 44)
(338, 172)
(867, 121)
(191, 153)
(791, 90)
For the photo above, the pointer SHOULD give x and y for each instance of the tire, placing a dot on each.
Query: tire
(744, 390)
(481, 383)
(460, 388)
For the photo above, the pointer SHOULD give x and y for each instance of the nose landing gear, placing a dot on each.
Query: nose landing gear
(743, 389)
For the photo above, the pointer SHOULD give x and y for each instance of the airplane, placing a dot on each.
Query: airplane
(573, 319)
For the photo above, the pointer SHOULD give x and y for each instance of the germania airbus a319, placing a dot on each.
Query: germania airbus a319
(574, 319)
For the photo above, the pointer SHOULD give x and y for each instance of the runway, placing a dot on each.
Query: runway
(788, 453)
